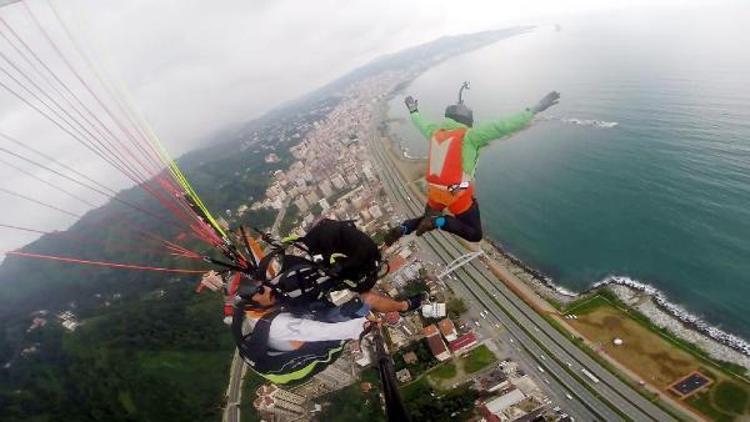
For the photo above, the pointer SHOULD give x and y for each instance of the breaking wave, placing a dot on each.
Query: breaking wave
(589, 122)
(583, 122)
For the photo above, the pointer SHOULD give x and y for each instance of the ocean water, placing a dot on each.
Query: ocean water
(642, 170)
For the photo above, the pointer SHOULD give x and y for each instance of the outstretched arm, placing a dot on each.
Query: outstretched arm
(426, 127)
(486, 132)
(483, 134)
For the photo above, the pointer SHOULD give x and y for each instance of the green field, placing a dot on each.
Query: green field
(427, 404)
(352, 404)
(731, 398)
(702, 403)
(478, 359)
(586, 305)
(446, 371)
(658, 357)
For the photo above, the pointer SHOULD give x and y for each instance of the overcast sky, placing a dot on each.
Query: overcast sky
(196, 67)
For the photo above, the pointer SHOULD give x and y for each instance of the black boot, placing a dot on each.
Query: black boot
(393, 235)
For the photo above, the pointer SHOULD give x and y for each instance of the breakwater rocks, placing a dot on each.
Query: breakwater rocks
(687, 320)
(642, 297)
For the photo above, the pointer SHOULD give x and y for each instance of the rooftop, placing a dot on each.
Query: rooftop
(396, 263)
(465, 340)
(430, 330)
(503, 402)
(446, 326)
(437, 346)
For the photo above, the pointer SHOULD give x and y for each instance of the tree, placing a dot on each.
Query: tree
(415, 287)
(456, 307)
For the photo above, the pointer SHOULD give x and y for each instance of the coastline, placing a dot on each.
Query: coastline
(641, 297)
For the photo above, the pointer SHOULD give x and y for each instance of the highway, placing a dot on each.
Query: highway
(234, 391)
(541, 343)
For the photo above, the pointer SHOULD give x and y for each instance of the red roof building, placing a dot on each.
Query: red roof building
(430, 330)
(448, 329)
(436, 343)
(396, 263)
(463, 343)
(488, 416)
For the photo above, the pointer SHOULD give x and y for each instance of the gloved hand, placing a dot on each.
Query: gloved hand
(548, 101)
(411, 104)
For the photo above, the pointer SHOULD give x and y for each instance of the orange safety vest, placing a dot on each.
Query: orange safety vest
(445, 169)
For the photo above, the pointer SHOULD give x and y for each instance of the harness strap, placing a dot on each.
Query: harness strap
(255, 342)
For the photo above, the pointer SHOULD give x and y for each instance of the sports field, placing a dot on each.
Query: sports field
(657, 360)
(646, 353)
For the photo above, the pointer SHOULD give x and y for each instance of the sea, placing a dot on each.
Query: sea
(641, 173)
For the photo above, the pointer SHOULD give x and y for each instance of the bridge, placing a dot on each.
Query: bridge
(459, 262)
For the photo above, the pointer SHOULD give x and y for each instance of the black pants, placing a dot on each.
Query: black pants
(467, 225)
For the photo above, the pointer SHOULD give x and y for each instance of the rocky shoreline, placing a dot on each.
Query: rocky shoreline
(642, 297)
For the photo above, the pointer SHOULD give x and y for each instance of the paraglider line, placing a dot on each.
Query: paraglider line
(104, 263)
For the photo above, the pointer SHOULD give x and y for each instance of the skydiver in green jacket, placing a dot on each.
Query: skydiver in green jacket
(451, 163)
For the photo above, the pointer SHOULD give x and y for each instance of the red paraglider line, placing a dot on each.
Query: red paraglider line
(104, 263)
(85, 84)
(54, 75)
(177, 250)
(94, 188)
(128, 169)
(136, 161)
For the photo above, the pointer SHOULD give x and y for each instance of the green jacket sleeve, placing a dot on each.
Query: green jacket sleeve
(426, 127)
(482, 135)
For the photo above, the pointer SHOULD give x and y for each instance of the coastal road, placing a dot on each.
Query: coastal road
(279, 218)
(234, 391)
(550, 349)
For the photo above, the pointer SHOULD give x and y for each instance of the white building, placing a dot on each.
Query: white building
(434, 310)
(375, 212)
(368, 173)
(352, 178)
(403, 375)
(500, 404)
(326, 188)
(338, 181)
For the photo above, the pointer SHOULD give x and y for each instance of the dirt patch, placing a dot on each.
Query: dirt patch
(642, 351)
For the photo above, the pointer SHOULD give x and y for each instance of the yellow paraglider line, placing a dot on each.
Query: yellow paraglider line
(119, 91)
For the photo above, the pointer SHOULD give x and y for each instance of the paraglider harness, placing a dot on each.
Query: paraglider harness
(302, 284)
(277, 366)
(305, 280)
